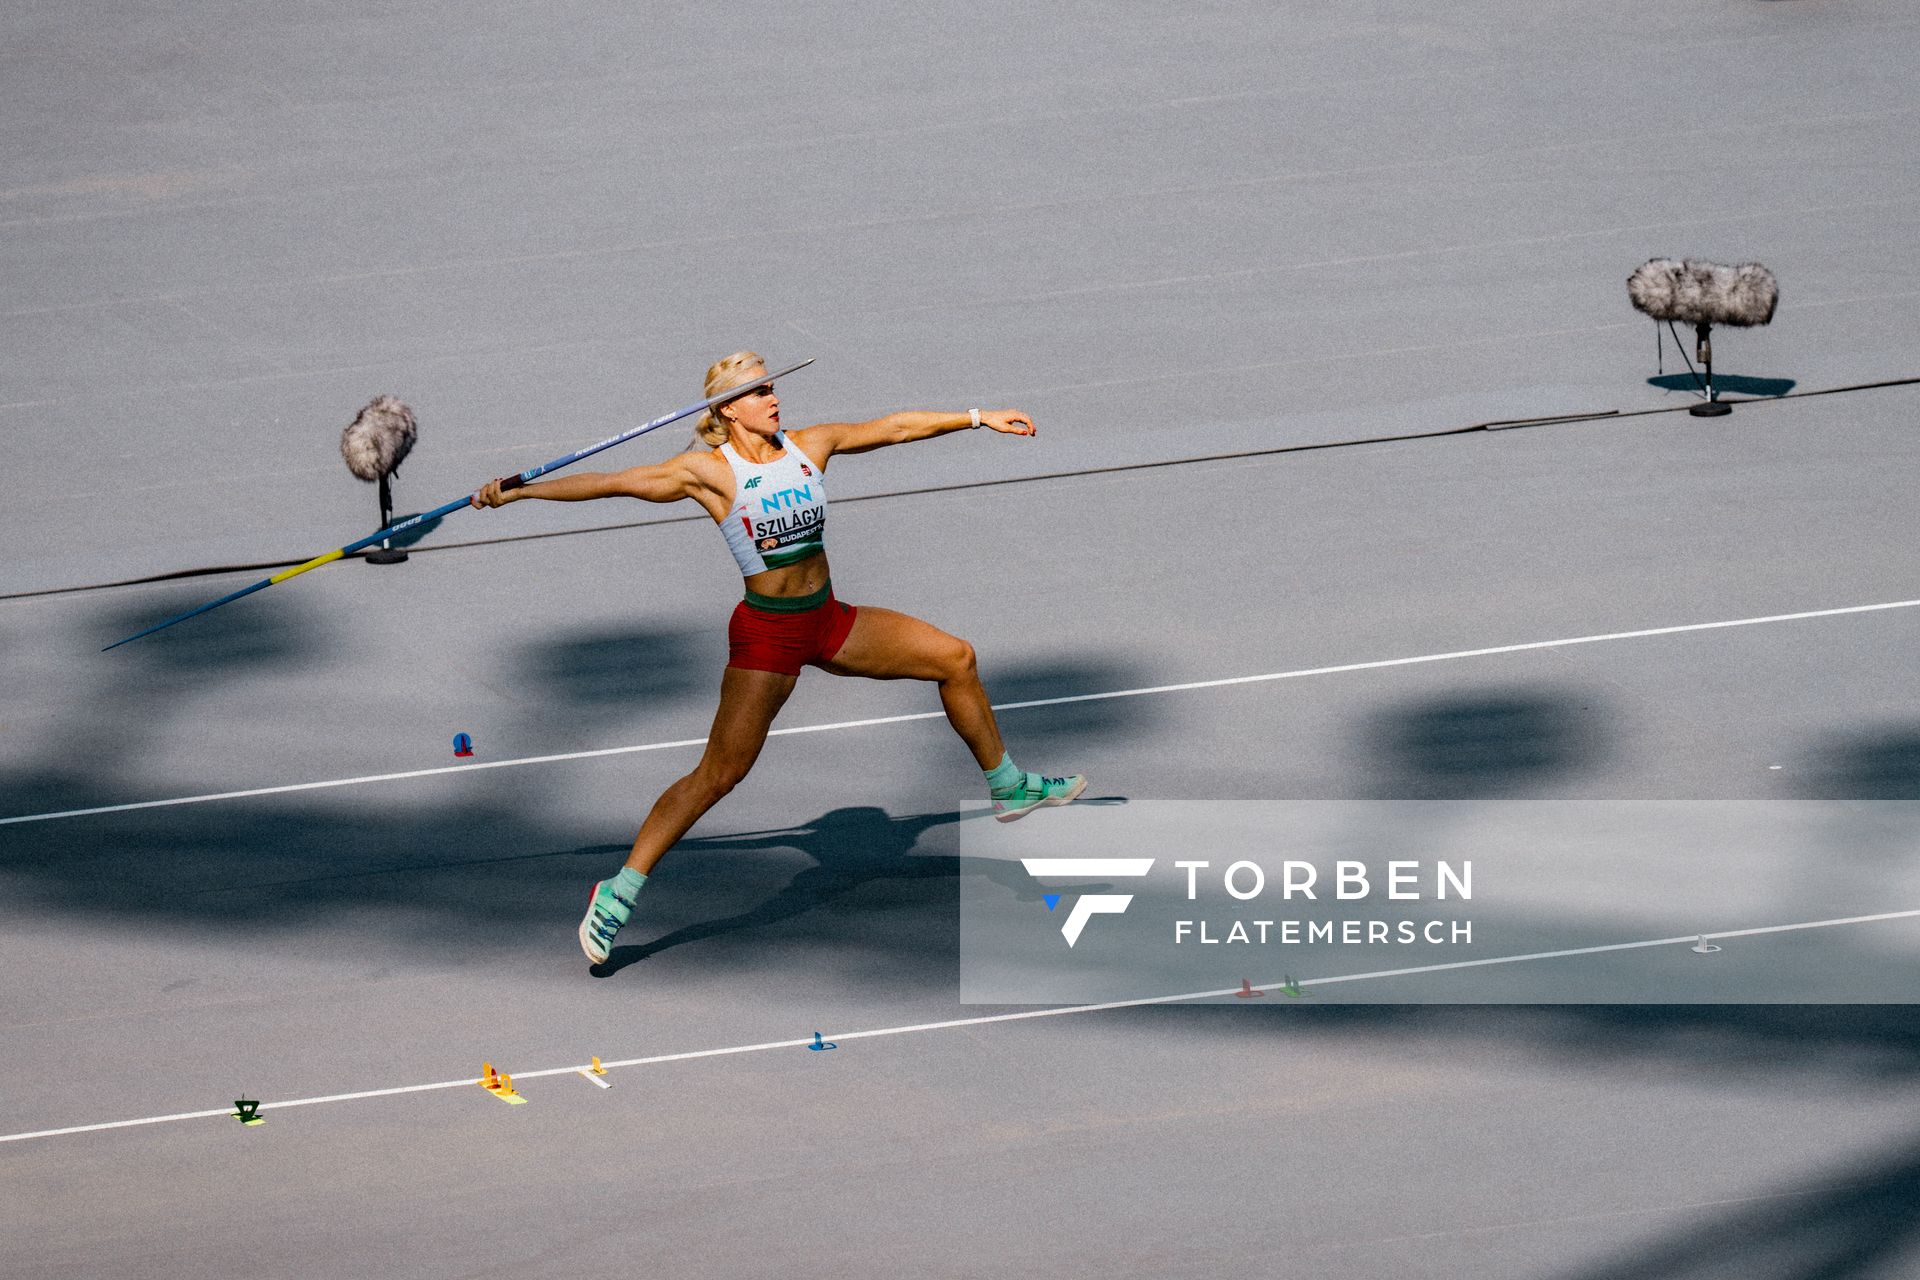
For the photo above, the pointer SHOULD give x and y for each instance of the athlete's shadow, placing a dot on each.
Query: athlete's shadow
(851, 847)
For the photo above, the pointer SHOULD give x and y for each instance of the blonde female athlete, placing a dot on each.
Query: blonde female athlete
(765, 488)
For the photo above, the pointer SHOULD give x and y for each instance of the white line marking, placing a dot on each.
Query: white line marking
(1614, 946)
(951, 1023)
(998, 706)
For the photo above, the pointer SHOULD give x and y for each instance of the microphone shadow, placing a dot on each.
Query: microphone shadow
(418, 533)
(851, 848)
(1728, 383)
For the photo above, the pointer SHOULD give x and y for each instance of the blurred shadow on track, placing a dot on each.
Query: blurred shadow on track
(1528, 741)
(1070, 727)
(489, 870)
(245, 635)
(1493, 742)
(851, 848)
(484, 865)
(1883, 765)
(1819, 1046)
(196, 865)
(610, 673)
(417, 534)
(478, 861)
(486, 873)
(1860, 1223)
(118, 698)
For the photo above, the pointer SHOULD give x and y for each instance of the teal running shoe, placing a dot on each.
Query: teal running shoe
(1036, 792)
(606, 912)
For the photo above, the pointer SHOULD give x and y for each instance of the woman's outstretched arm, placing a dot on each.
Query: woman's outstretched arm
(830, 438)
(667, 481)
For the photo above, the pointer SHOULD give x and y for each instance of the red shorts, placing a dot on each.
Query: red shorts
(762, 640)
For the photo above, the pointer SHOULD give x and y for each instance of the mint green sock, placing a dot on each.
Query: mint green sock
(627, 883)
(1006, 777)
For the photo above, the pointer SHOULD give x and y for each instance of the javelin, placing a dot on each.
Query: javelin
(511, 482)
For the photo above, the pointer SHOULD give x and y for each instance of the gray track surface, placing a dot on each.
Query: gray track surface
(1165, 231)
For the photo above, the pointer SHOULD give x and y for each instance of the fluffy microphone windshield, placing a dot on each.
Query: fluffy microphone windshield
(1704, 292)
(378, 440)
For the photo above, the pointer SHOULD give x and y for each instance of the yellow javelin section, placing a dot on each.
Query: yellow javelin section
(314, 563)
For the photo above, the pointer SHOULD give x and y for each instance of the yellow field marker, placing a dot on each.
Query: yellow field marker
(499, 1084)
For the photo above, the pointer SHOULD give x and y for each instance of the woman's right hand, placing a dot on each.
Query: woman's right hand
(490, 494)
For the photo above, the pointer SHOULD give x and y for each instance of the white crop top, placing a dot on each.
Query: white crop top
(779, 510)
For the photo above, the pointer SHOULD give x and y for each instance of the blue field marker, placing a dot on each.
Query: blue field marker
(1051, 899)
(819, 1044)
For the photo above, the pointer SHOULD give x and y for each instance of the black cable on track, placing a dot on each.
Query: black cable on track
(1502, 424)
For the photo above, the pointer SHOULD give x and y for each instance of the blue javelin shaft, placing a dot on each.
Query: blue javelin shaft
(511, 482)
